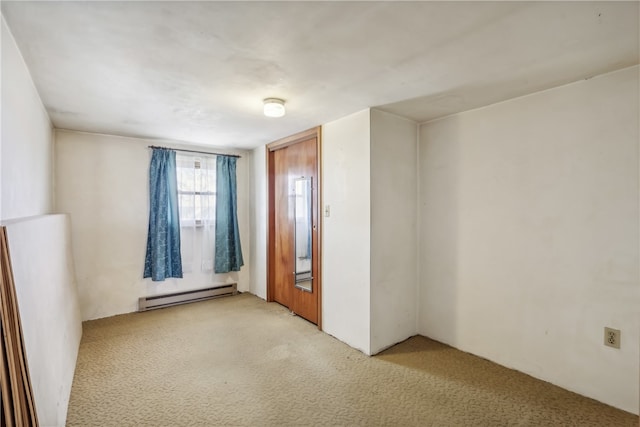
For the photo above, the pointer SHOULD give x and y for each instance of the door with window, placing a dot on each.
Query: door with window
(294, 250)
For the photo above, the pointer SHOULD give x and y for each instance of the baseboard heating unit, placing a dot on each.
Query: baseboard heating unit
(167, 300)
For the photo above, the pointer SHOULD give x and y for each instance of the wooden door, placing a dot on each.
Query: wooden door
(289, 163)
(283, 231)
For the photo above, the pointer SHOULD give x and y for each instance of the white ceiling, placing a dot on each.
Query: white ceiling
(198, 71)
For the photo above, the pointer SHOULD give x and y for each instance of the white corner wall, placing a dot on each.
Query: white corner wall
(102, 182)
(394, 281)
(40, 250)
(346, 232)
(26, 141)
(39, 245)
(529, 234)
(258, 222)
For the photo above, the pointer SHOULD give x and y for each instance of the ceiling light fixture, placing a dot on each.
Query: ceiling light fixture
(274, 107)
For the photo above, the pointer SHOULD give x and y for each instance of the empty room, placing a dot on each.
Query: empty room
(312, 213)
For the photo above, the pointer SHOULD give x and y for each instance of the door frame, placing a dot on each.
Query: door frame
(270, 148)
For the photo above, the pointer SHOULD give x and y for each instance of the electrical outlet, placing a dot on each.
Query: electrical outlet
(612, 337)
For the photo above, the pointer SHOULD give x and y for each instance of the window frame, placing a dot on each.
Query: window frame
(195, 222)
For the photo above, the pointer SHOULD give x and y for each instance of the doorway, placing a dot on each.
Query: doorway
(293, 266)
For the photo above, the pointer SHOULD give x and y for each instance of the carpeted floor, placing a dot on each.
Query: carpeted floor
(239, 361)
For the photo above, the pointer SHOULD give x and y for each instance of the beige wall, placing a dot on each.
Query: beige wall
(102, 182)
(529, 234)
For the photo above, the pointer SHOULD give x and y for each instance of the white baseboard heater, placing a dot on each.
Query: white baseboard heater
(167, 300)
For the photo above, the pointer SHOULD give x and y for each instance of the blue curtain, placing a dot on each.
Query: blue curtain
(163, 240)
(228, 251)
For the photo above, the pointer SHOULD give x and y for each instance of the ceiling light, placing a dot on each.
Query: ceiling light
(274, 107)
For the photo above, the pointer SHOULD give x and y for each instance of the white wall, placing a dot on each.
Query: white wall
(369, 272)
(26, 144)
(346, 233)
(393, 229)
(102, 181)
(47, 298)
(39, 245)
(258, 218)
(529, 234)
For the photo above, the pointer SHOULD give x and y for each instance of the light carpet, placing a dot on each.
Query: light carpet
(239, 361)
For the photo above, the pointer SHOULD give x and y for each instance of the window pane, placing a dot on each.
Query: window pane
(186, 203)
(196, 187)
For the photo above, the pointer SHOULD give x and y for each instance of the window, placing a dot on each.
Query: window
(190, 213)
(196, 190)
(196, 177)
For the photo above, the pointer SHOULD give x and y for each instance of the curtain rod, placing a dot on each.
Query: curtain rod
(194, 151)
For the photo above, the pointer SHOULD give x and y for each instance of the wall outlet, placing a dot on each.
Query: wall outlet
(612, 337)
